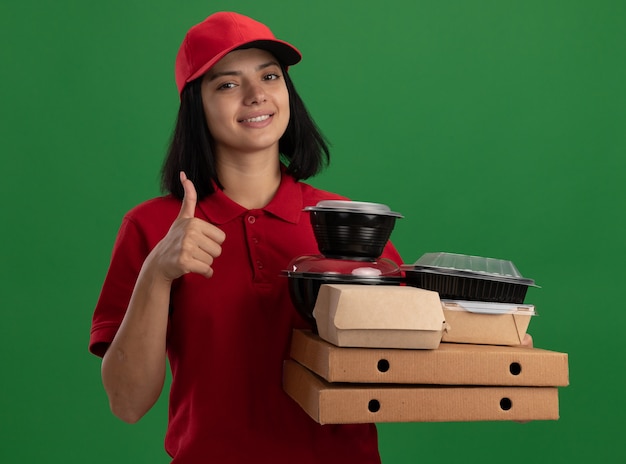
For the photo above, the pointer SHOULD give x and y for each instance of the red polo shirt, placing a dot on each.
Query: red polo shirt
(228, 335)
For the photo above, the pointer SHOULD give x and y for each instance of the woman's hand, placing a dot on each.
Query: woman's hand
(191, 244)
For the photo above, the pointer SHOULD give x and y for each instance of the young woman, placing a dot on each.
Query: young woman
(195, 274)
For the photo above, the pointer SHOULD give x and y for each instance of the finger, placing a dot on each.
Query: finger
(202, 263)
(190, 198)
(211, 245)
(216, 237)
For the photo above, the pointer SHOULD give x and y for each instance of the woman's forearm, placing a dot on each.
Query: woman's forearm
(133, 368)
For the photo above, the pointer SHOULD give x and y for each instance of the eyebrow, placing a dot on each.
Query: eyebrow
(214, 75)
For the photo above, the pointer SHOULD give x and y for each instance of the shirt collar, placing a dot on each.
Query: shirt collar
(286, 204)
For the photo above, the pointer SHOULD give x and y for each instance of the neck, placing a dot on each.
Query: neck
(251, 182)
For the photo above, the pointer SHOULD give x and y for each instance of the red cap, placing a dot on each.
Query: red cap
(209, 41)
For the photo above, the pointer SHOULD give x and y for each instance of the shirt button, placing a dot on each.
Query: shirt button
(259, 265)
(251, 219)
(255, 240)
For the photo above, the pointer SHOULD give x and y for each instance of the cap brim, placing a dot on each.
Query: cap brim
(286, 53)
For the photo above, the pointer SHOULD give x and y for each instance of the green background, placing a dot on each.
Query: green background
(498, 128)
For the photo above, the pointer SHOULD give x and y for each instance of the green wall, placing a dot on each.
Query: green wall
(498, 128)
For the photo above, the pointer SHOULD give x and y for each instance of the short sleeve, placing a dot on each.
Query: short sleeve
(129, 252)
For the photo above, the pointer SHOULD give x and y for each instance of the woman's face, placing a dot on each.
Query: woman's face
(246, 102)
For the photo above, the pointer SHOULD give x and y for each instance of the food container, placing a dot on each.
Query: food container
(308, 273)
(486, 322)
(351, 229)
(465, 277)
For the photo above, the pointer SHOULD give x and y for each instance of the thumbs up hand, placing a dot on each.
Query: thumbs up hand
(191, 244)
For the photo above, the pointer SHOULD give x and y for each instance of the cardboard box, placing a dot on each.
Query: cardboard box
(330, 403)
(478, 323)
(450, 364)
(379, 316)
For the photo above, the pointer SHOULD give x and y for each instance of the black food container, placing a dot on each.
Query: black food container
(351, 229)
(464, 277)
(307, 274)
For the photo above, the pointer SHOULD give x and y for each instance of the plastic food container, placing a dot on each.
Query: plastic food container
(352, 229)
(465, 277)
(308, 273)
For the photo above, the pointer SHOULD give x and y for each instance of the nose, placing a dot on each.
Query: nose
(254, 94)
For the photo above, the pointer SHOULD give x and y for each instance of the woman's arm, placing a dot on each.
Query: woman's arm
(133, 368)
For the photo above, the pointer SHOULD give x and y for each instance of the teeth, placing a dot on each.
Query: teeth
(257, 119)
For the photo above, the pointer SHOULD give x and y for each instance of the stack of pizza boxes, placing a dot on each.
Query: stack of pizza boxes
(447, 346)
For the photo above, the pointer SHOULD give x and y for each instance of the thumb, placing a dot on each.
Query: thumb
(188, 208)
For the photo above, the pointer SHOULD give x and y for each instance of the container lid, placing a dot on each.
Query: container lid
(321, 266)
(348, 206)
(469, 266)
(484, 307)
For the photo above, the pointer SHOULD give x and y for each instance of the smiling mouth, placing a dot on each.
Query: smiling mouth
(258, 118)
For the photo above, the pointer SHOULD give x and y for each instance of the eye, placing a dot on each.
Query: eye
(226, 86)
(271, 77)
